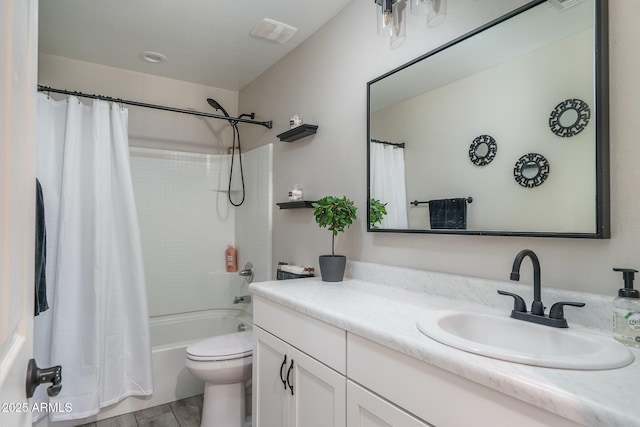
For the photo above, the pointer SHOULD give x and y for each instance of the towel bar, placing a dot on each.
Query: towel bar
(416, 203)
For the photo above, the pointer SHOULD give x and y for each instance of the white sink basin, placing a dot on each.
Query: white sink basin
(523, 342)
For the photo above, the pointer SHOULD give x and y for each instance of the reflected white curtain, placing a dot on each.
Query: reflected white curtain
(388, 183)
(98, 324)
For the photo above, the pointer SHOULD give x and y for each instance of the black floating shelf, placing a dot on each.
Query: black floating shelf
(298, 132)
(299, 204)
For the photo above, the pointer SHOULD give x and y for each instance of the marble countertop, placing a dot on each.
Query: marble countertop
(387, 315)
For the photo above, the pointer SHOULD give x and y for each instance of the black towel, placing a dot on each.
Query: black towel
(448, 213)
(41, 254)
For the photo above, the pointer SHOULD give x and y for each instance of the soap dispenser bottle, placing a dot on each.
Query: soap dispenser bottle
(231, 259)
(626, 311)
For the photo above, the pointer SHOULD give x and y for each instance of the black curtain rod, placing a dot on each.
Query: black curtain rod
(41, 88)
(395, 144)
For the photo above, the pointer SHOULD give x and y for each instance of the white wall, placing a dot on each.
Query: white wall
(149, 128)
(439, 126)
(324, 80)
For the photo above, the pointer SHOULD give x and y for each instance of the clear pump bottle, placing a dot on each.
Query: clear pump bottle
(626, 311)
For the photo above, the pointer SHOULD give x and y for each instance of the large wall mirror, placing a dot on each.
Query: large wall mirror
(503, 131)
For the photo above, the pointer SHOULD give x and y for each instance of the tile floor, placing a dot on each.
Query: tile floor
(182, 413)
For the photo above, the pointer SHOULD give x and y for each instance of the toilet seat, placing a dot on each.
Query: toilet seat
(222, 347)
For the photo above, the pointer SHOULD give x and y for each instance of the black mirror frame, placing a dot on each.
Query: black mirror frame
(601, 121)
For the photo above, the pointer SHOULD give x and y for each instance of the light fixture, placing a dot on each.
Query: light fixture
(385, 17)
(420, 7)
(153, 57)
(437, 13)
(392, 20)
(434, 10)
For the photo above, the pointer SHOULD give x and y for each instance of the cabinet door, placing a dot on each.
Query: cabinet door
(364, 409)
(270, 397)
(319, 393)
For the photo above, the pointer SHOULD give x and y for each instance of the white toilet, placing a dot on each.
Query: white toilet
(224, 363)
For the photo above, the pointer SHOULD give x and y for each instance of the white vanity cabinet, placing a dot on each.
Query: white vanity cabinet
(294, 388)
(308, 373)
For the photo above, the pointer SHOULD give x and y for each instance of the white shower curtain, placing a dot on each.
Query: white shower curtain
(388, 183)
(98, 324)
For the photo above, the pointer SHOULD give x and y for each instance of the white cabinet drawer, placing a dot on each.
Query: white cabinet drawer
(318, 339)
(435, 395)
(364, 409)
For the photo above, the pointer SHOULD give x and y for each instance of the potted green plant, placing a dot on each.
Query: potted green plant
(377, 211)
(336, 214)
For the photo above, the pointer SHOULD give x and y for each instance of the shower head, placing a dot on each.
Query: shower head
(217, 106)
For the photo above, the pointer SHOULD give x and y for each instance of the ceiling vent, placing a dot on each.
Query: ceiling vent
(153, 57)
(273, 30)
(562, 4)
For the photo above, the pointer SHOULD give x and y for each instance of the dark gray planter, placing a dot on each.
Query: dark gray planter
(332, 267)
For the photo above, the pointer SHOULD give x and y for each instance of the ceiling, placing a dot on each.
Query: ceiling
(205, 41)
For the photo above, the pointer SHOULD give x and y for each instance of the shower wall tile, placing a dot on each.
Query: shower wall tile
(253, 218)
(185, 227)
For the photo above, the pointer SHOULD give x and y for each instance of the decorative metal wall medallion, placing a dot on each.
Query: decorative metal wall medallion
(483, 150)
(569, 118)
(531, 170)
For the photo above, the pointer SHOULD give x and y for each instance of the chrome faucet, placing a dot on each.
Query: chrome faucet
(244, 299)
(536, 315)
(247, 273)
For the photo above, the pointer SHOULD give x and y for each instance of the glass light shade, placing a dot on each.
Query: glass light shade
(385, 18)
(399, 24)
(437, 13)
(420, 7)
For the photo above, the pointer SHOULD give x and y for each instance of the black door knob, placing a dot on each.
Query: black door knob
(37, 376)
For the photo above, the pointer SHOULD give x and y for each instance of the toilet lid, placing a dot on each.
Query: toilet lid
(222, 347)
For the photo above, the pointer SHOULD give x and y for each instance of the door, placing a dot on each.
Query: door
(318, 393)
(18, 71)
(270, 364)
(291, 389)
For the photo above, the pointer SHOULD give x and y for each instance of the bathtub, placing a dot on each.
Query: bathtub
(170, 336)
(180, 330)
